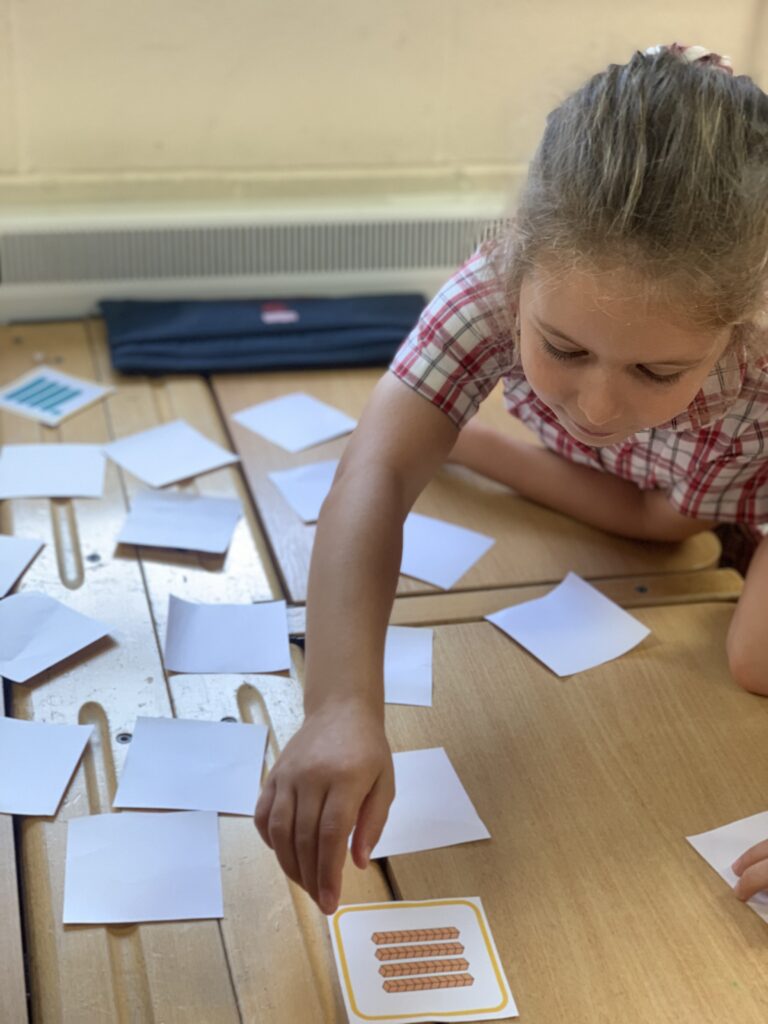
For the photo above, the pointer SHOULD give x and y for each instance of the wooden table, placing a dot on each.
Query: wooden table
(600, 909)
(533, 544)
(269, 959)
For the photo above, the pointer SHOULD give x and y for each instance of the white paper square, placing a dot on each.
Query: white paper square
(167, 519)
(136, 866)
(353, 929)
(16, 554)
(572, 628)
(49, 396)
(189, 765)
(168, 453)
(305, 488)
(431, 808)
(720, 847)
(51, 471)
(36, 763)
(295, 421)
(438, 552)
(408, 666)
(37, 631)
(226, 637)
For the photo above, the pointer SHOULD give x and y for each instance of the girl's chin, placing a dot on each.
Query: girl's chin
(594, 438)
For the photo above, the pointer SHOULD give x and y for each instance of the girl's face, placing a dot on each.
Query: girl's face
(606, 362)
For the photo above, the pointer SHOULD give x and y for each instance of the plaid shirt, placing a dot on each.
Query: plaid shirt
(711, 461)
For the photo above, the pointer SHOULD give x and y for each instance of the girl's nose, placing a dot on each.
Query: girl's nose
(600, 405)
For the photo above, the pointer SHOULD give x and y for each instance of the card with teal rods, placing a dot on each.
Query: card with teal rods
(49, 396)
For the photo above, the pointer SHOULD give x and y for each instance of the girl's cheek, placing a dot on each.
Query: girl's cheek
(547, 379)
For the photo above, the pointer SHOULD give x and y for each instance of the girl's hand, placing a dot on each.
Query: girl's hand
(752, 869)
(335, 774)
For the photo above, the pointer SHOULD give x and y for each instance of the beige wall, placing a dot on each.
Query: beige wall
(104, 98)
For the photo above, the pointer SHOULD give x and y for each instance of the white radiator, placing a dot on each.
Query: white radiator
(59, 264)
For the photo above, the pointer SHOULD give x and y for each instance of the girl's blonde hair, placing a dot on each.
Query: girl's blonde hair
(659, 166)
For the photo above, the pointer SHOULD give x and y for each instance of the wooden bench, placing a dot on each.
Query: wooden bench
(270, 958)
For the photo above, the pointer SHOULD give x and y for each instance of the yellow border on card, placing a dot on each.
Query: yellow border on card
(417, 903)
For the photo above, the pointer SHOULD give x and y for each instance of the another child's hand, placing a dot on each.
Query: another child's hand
(335, 774)
(752, 869)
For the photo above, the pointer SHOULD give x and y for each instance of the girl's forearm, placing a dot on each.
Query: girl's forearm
(598, 499)
(747, 644)
(352, 582)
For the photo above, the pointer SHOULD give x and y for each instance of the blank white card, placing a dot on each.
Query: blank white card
(189, 765)
(573, 628)
(136, 866)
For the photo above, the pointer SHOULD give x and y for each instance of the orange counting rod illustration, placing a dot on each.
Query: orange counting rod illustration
(415, 935)
(423, 967)
(408, 952)
(432, 963)
(410, 961)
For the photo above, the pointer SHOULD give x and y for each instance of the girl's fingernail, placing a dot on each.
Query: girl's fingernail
(327, 901)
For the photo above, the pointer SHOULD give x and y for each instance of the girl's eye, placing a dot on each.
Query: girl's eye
(657, 378)
(559, 353)
(567, 355)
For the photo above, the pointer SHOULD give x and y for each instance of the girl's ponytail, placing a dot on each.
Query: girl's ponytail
(658, 165)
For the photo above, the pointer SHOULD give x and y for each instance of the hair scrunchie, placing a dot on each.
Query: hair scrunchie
(694, 55)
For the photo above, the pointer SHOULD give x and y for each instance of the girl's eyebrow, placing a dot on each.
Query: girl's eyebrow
(549, 329)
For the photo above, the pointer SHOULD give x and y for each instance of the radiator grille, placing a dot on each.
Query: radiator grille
(101, 254)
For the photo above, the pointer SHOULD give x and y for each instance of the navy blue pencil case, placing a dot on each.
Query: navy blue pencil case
(217, 336)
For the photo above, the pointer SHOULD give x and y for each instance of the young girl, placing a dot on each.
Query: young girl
(623, 310)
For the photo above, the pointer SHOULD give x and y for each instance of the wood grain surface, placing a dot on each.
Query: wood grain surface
(630, 592)
(589, 785)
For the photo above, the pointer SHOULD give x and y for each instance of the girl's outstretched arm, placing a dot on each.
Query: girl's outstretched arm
(747, 637)
(336, 772)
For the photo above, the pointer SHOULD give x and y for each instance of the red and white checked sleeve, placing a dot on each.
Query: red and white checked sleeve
(457, 351)
(728, 486)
